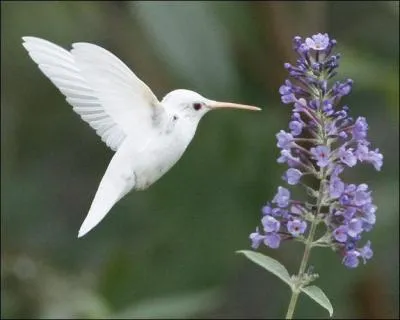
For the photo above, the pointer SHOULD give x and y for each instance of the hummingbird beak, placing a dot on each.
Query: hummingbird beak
(216, 105)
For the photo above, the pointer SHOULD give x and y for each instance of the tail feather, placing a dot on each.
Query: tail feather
(116, 183)
(105, 198)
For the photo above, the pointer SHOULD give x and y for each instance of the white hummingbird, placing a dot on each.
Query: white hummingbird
(148, 136)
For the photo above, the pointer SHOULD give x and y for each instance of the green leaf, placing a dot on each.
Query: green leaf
(318, 296)
(270, 264)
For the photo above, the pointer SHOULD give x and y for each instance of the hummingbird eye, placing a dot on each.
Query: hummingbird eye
(197, 106)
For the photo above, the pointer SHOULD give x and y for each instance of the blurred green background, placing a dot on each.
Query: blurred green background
(170, 251)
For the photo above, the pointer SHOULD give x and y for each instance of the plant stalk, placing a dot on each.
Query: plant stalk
(303, 265)
(309, 243)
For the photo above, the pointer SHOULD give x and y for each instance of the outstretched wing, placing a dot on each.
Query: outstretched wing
(100, 88)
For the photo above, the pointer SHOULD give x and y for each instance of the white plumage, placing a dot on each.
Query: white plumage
(149, 137)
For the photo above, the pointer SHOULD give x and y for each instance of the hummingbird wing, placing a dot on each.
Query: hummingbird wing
(100, 88)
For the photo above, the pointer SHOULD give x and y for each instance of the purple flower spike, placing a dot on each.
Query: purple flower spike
(296, 227)
(323, 140)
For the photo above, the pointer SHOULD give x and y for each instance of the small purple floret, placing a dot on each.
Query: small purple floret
(296, 227)
(270, 224)
(282, 197)
(321, 154)
(284, 139)
(318, 42)
(272, 240)
(293, 176)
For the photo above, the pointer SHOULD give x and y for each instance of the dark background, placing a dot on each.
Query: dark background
(170, 251)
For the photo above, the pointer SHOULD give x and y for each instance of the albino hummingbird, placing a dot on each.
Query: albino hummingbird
(148, 136)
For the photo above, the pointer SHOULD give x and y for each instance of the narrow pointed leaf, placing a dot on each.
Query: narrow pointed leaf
(319, 296)
(269, 264)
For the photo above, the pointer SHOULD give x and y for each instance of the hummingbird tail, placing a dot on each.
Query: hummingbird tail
(105, 198)
(112, 188)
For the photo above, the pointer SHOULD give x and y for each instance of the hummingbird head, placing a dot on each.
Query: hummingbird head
(194, 106)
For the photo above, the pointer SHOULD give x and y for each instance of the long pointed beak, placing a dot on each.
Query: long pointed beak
(217, 105)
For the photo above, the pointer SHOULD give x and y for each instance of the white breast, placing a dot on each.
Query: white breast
(160, 153)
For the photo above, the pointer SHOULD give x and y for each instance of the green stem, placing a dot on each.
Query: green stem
(306, 256)
(292, 304)
(303, 265)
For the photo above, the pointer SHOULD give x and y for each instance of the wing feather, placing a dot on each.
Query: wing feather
(99, 87)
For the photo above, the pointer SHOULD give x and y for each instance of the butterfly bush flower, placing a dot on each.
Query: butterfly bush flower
(321, 142)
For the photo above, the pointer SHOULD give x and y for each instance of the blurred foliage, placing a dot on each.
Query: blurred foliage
(169, 251)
